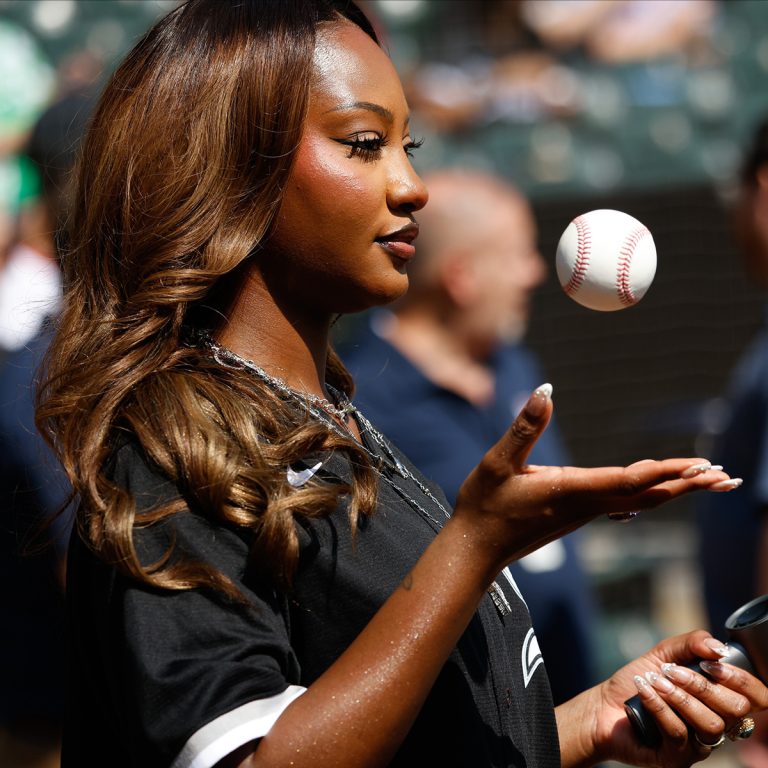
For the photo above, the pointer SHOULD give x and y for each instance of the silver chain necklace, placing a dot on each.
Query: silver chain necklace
(321, 408)
(230, 359)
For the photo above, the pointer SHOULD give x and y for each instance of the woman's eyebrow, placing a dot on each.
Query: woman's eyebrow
(369, 105)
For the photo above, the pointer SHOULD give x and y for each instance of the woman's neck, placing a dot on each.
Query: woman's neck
(282, 341)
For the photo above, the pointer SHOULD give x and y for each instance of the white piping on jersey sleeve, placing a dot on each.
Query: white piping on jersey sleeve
(512, 583)
(226, 733)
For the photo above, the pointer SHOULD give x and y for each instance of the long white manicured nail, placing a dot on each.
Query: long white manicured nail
(676, 673)
(696, 469)
(643, 688)
(726, 485)
(537, 403)
(719, 648)
(659, 683)
(714, 669)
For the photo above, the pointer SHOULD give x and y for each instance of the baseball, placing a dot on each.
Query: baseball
(606, 260)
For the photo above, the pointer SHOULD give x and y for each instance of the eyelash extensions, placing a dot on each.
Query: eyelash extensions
(369, 148)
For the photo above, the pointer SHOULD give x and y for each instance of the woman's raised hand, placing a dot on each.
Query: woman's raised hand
(513, 507)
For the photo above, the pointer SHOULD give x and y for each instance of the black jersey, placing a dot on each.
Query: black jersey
(183, 678)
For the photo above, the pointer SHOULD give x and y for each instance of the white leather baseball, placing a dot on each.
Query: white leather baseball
(606, 260)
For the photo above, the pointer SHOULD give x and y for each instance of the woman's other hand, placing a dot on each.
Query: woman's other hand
(690, 710)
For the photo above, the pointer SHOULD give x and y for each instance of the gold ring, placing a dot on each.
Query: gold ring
(743, 729)
(707, 748)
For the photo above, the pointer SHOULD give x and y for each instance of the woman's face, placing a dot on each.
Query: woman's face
(345, 230)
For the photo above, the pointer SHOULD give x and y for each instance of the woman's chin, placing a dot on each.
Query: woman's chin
(378, 296)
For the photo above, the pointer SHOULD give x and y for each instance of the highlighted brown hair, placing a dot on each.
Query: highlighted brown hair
(181, 178)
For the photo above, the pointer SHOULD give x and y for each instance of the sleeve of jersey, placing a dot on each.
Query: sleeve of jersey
(206, 675)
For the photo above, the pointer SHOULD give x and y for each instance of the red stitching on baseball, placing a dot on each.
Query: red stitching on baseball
(623, 286)
(583, 248)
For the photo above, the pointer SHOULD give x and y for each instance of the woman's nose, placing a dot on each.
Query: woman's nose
(406, 190)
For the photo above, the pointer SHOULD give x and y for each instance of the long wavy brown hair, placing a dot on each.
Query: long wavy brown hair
(180, 180)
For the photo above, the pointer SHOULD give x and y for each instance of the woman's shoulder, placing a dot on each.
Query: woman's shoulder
(131, 469)
(165, 522)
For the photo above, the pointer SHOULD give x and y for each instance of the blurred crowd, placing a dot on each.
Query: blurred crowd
(43, 113)
(526, 67)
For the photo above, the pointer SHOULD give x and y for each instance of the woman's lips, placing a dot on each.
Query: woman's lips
(400, 243)
(399, 248)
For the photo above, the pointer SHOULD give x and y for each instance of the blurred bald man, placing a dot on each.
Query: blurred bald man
(444, 372)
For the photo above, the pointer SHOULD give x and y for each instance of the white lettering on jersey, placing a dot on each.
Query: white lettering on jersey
(531, 656)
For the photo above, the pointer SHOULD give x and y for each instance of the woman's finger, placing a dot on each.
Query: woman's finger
(739, 681)
(660, 493)
(708, 725)
(729, 703)
(668, 721)
(646, 481)
(519, 439)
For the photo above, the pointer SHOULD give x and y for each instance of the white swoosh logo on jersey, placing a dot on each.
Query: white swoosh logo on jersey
(297, 479)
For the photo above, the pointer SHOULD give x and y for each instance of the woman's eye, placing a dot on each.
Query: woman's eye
(367, 148)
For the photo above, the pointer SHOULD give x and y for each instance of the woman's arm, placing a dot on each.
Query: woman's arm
(360, 710)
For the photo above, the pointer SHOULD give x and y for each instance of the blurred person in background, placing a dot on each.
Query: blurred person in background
(27, 81)
(734, 531)
(446, 369)
(32, 487)
(621, 31)
(30, 279)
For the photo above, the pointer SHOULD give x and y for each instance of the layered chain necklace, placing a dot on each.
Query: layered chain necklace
(334, 415)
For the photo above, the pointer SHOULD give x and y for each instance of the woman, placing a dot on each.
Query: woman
(259, 578)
